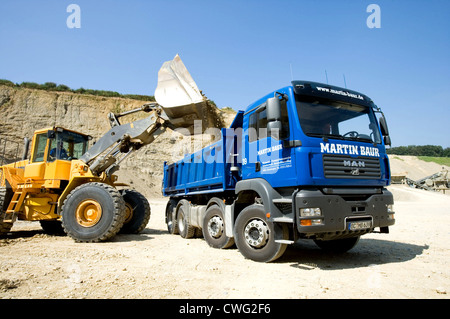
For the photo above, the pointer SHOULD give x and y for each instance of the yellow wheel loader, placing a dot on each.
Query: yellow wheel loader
(68, 186)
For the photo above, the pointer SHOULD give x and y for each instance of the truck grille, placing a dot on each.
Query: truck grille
(341, 166)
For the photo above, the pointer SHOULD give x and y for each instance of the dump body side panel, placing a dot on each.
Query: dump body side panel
(205, 171)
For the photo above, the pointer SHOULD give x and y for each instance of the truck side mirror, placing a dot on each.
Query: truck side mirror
(383, 126)
(273, 112)
(273, 109)
(385, 130)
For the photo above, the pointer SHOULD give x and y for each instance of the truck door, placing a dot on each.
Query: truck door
(266, 155)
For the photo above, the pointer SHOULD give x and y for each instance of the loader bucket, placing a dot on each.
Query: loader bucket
(182, 101)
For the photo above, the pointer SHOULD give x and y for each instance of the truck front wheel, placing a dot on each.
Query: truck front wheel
(214, 228)
(255, 236)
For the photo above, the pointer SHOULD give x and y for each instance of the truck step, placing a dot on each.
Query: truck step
(282, 201)
(283, 220)
(284, 241)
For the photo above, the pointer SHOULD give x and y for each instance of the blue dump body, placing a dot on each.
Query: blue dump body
(305, 161)
(212, 169)
(207, 170)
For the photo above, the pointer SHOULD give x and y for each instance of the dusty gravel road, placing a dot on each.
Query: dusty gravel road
(410, 262)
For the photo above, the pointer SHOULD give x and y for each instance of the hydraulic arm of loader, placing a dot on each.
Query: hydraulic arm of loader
(122, 139)
(180, 104)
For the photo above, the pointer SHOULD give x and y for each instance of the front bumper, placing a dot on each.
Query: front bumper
(339, 208)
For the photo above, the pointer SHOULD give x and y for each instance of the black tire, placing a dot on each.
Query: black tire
(214, 228)
(171, 217)
(5, 197)
(137, 212)
(184, 228)
(255, 236)
(93, 212)
(52, 227)
(337, 245)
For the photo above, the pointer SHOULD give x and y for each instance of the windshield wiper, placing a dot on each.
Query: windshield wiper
(326, 136)
(340, 137)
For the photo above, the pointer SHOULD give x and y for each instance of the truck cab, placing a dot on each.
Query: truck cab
(321, 150)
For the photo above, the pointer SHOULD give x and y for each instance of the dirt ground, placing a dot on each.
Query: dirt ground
(409, 262)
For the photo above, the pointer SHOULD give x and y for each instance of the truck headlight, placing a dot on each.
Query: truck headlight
(390, 208)
(310, 212)
(390, 211)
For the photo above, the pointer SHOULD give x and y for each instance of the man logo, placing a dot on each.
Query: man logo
(354, 164)
(355, 171)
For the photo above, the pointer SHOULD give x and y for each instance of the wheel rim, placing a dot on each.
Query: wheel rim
(256, 233)
(169, 220)
(180, 221)
(215, 227)
(88, 213)
(128, 213)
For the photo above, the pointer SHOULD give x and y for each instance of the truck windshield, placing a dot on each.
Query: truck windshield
(335, 119)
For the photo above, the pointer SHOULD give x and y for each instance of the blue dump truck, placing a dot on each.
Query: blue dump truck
(307, 161)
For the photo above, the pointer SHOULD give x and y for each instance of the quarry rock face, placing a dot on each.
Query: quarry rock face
(22, 111)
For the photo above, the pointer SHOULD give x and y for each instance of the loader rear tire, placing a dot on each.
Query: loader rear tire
(5, 197)
(137, 212)
(93, 212)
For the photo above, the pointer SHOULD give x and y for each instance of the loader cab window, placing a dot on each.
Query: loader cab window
(39, 148)
(67, 145)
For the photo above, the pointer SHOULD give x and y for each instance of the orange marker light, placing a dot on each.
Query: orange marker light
(306, 222)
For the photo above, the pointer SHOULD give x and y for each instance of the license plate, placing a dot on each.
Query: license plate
(359, 225)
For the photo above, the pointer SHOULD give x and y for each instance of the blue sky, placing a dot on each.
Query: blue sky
(238, 51)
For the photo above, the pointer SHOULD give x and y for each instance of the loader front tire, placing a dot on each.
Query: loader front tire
(93, 212)
(137, 212)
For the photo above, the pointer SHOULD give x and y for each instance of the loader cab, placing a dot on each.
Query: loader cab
(52, 152)
(58, 143)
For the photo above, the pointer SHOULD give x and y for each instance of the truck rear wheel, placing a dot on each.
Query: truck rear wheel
(93, 212)
(337, 245)
(214, 228)
(137, 212)
(171, 217)
(255, 236)
(184, 228)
